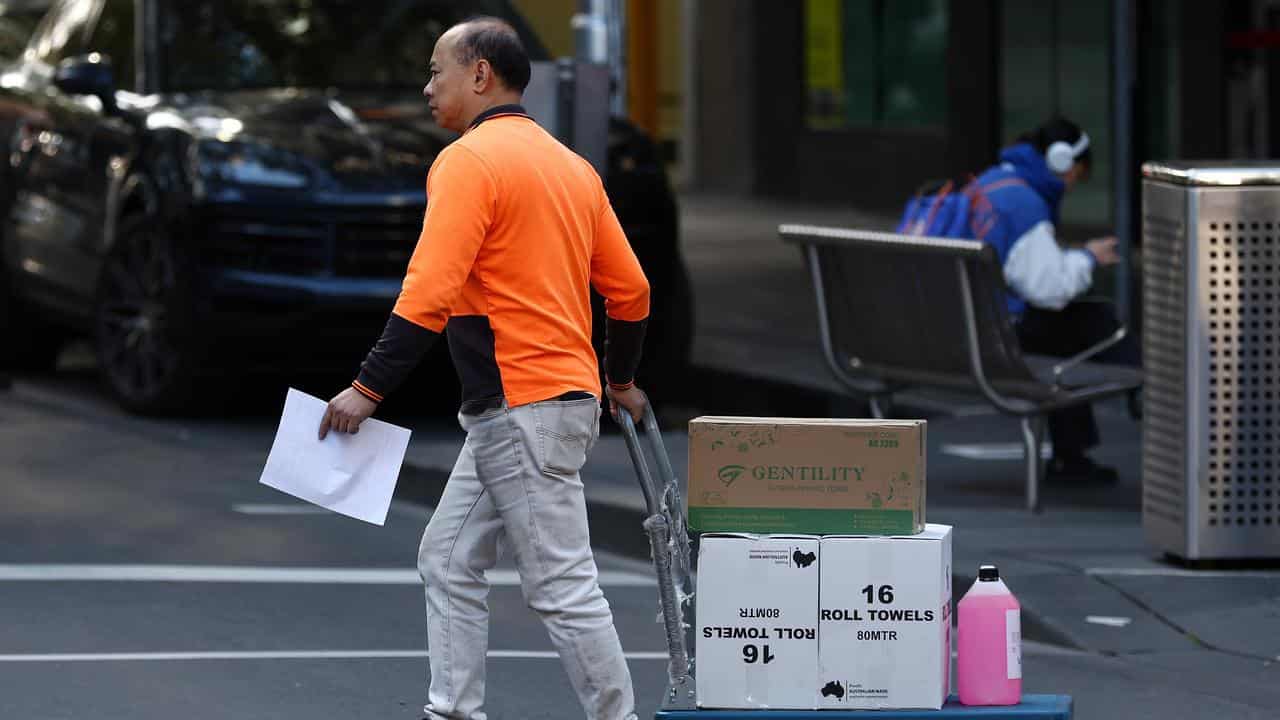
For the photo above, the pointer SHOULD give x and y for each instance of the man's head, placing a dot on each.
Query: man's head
(477, 64)
(1061, 131)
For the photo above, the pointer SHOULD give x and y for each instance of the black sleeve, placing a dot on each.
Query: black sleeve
(623, 342)
(396, 354)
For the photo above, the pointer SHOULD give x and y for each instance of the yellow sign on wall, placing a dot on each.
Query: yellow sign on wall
(824, 63)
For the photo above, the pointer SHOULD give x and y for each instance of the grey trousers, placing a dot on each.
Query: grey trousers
(516, 481)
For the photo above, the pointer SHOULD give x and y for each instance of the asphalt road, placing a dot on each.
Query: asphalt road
(145, 574)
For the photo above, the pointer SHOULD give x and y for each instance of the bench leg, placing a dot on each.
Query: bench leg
(1032, 436)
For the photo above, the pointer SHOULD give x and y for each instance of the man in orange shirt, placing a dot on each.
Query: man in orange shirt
(517, 230)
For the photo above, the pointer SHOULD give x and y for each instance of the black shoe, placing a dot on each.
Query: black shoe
(1080, 470)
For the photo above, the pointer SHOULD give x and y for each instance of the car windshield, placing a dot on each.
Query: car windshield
(17, 21)
(240, 44)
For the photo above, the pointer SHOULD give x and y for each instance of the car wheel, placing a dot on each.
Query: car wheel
(143, 332)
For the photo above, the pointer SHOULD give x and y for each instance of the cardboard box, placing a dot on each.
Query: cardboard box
(884, 632)
(757, 622)
(775, 475)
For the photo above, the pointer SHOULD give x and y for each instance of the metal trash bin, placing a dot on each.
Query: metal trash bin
(1211, 347)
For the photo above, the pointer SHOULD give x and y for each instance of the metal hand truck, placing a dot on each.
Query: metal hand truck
(668, 543)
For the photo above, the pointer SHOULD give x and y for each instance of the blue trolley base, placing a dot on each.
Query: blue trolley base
(1032, 707)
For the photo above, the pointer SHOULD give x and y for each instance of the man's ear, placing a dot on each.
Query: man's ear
(483, 76)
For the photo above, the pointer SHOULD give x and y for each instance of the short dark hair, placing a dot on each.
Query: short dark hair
(497, 42)
(1058, 129)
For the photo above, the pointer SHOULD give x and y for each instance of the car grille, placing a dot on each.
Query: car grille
(312, 249)
(374, 250)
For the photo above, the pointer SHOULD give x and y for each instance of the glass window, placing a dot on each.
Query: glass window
(1159, 85)
(62, 32)
(1247, 78)
(231, 44)
(16, 27)
(1056, 59)
(875, 63)
(113, 37)
(913, 81)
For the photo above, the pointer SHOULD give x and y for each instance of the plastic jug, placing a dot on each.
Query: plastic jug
(989, 643)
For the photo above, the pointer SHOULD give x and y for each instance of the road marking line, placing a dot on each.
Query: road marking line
(287, 655)
(1181, 572)
(268, 509)
(252, 574)
(551, 654)
(1031, 647)
(397, 506)
(1108, 620)
(992, 451)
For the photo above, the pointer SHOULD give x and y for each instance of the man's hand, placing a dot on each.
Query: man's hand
(633, 400)
(346, 411)
(1104, 250)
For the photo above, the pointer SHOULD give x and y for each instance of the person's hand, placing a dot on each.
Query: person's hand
(633, 400)
(346, 411)
(1104, 250)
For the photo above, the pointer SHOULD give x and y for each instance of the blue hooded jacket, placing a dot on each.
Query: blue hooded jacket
(1020, 206)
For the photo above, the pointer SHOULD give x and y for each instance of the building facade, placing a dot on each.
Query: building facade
(860, 101)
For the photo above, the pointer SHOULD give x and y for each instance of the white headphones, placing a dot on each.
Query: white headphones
(1062, 155)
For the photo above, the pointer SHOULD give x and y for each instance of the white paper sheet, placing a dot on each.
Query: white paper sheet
(351, 474)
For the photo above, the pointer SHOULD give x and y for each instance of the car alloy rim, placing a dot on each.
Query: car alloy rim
(134, 320)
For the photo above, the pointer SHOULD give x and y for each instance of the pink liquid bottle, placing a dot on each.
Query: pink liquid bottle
(989, 643)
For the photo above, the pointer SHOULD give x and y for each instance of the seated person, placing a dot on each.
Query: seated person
(1047, 281)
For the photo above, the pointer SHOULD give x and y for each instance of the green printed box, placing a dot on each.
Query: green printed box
(819, 476)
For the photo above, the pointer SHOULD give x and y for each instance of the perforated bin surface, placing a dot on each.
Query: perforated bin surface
(1243, 347)
(1164, 458)
(1211, 340)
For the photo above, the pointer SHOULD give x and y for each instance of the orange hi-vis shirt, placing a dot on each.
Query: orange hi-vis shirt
(517, 231)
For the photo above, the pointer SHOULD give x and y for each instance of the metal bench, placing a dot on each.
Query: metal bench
(897, 311)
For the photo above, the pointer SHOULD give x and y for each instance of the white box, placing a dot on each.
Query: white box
(885, 623)
(757, 621)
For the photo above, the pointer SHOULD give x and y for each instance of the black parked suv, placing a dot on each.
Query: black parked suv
(205, 186)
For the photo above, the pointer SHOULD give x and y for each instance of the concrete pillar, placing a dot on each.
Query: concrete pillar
(724, 91)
